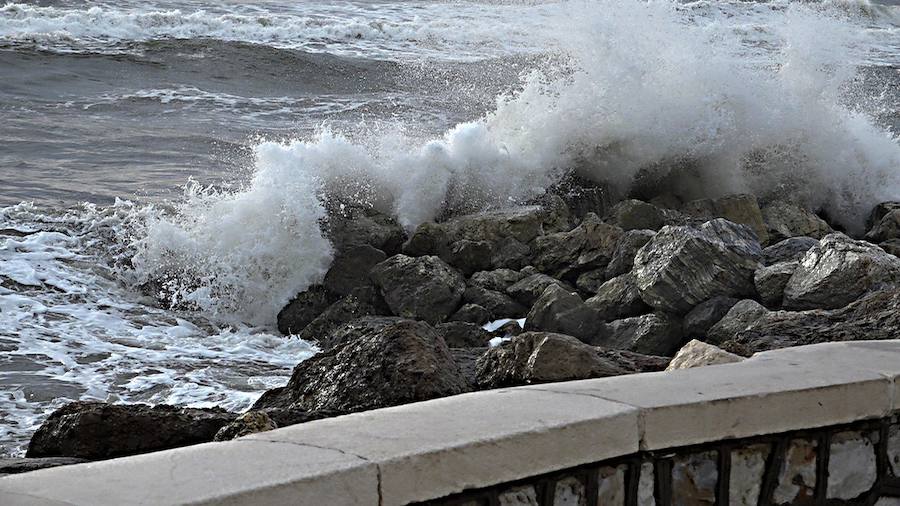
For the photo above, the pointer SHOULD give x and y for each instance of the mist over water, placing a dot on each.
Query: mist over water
(413, 107)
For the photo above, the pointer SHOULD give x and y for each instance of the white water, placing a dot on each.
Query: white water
(752, 97)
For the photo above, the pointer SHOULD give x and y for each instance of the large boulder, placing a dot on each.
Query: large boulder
(788, 250)
(362, 301)
(785, 220)
(364, 225)
(424, 288)
(623, 257)
(374, 363)
(699, 320)
(350, 268)
(470, 256)
(651, 334)
(98, 430)
(559, 310)
(499, 305)
(742, 209)
(740, 317)
(527, 290)
(684, 266)
(471, 313)
(588, 246)
(879, 211)
(541, 357)
(771, 280)
(632, 214)
(463, 335)
(581, 196)
(304, 308)
(618, 298)
(838, 271)
(698, 354)
(591, 281)
(887, 228)
(497, 280)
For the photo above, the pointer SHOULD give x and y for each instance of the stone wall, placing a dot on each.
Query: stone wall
(847, 464)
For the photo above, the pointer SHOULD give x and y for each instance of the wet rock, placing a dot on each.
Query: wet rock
(559, 310)
(743, 209)
(879, 211)
(471, 313)
(466, 359)
(892, 246)
(359, 225)
(698, 354)
(770, 282)
(623, 257)
(581, 197)
(852, 468)
(541, 357)
(618, 298)
(743, 315)
(19, 465)
(588, 246)
(509, 329)
(362, 301)
(528, 289)
(499, 305)
(591, 281)
(887, 228)
(785, 220)
(684, 266)
(422, 287)
(634, 214)
(788, 250)
(350, 268)
(651, 334)
(470, 256)
(428, 239)
(509, 253)
(97, 430)
(375, 363)
(748, 466)
(463, 335)
(838, 271)
(633, 362)
(699, 320)
(248, 423)
(797, 480)
(497, 280)
(694, 478)
(304, 308)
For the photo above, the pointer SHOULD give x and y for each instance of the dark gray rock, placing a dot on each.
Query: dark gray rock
(633, 362)
(304, 308)
(684, 266)
(499, 305)
(792, 249)
(375, 363)
(424, 288)
(19, 465)
(466, 359)
(558, 310)
(623, 257)
(879, 211)
(508, 253)
(634, 214)
(892, 246)
(470, 256)
(582, 196)
(591, 281)
(742, 209)
(497, 280)
(698, 321)
(471, 313)
(528, 289)
(541, 357)
(248, 423)
(98, 430)
(588, 246)
(887, 228)
(463, 335)
(785, 220)
(651, 334)
(358, 225)
(771, 280)
(741, 316)
(618, 298)
(350, 268)
(362, 301)
(838, 271)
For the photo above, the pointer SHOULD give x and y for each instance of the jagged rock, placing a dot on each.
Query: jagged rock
(541, 357)
(463, 335)
(466, 359)
(497, 280)
(470, 256)
(698, 321)
(428, 239)
(887, 228)
(581, 197)
(97, 430)
(350, 268)
(250, 422)
(19, 465)
(879, 211)
(509, 253)
(528, 289)
(741, 316)
(618, 298)
(634, 214)
(651, 334)
(509, 329)
(872, 317)
(357, 225)
(588, 246)
(788, 250)
(591, 281)
(771, 280)
(304, 308)
(498, 304)
(362, 301)
(634, 362)
(623, 257)
(742, 209)
(838, 271)
(892, 246)
(684, 266)
(375, 363)
(785, 220)
(698, 354)
(471, 313)
(559, 310)
(419, 287)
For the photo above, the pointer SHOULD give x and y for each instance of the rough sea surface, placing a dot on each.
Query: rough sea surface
(189, 144)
